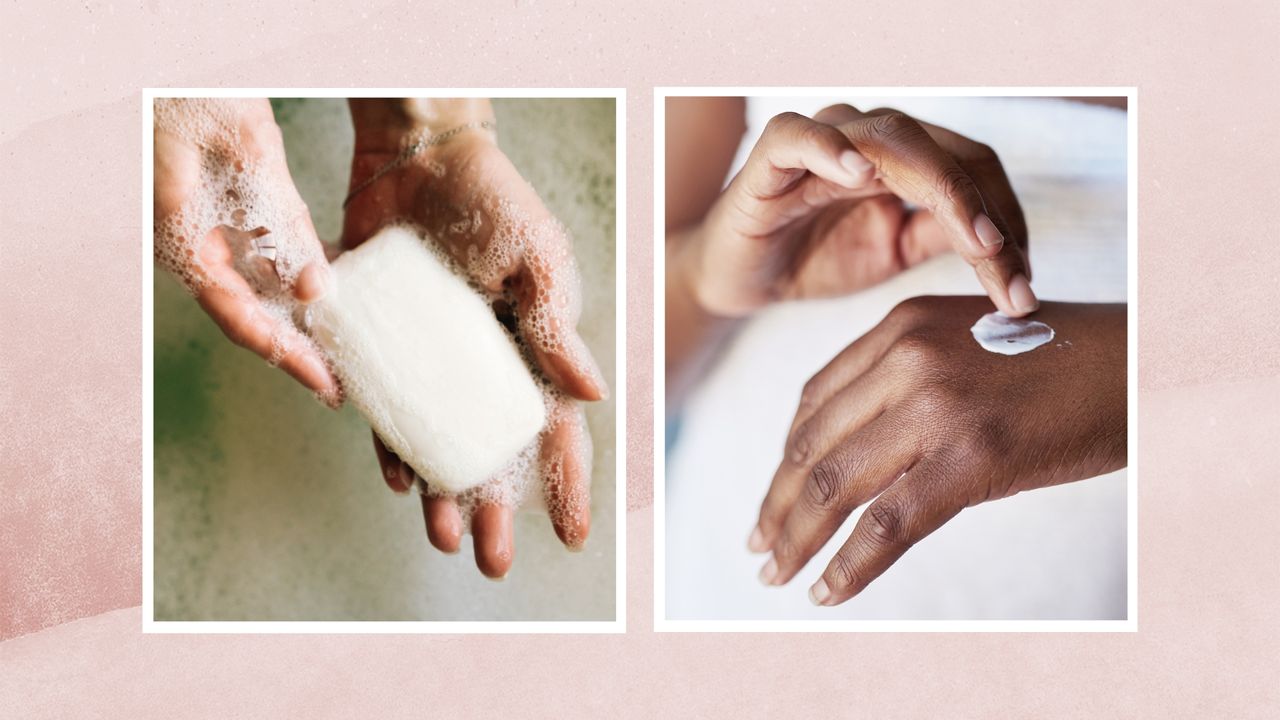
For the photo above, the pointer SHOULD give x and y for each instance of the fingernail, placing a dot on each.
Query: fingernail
(756, 542)
(394, 475)
(987, 231)
(854, 162)
(819, 593)
(597, 377)
(1020, 294)
(769, 572)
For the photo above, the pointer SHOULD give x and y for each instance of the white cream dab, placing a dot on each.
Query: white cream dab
(1002, 334)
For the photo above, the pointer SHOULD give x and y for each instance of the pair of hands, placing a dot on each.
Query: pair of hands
(914, 416)
(457, 179)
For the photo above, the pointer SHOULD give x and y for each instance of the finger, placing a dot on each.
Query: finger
(792, 145)
(810, 194)
(838, 114)
(850, 409)
(444, 523)
(983, 165)
(916, 167)
(398, 475)
(313, 282)
(493, 537)
(858, 358)
(855, 471)
(922, 237)
(248, 324)
(851, 363)
(565, 460)
(914, 506)
(913, 165)
(548, 294)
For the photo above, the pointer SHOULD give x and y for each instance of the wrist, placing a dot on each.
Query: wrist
(384, 125)
(685, 273)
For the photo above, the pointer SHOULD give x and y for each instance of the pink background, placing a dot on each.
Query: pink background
(70, 308)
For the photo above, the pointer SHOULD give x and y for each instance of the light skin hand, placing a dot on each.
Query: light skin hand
(220, 289)
(921, 422)
(453, 185)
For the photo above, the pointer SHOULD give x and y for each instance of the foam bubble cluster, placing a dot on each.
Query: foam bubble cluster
(238, 207)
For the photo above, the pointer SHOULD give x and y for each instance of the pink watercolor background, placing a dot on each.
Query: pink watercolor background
(70, 309)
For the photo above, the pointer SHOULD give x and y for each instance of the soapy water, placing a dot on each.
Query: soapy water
(999, 333)
(237, 195)
(266, 227)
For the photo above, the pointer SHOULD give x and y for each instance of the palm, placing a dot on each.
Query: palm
(471, 200)
(819, 240)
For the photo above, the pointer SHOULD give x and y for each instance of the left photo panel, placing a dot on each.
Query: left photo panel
(381, 361)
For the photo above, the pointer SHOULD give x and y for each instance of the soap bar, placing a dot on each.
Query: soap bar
(422, 357)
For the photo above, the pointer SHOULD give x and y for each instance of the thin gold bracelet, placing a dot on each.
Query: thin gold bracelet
(416, 147)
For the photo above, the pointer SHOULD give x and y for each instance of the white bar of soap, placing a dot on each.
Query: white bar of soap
(421, 355)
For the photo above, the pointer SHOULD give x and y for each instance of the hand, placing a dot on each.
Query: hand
(210, 154)
(466, 193)
(917, 413)
(830, 205)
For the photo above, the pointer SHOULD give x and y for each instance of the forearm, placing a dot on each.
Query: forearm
(693, 335)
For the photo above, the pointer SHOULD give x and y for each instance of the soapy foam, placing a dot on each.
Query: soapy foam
(239, 197)
(422, 357)
(999, 333)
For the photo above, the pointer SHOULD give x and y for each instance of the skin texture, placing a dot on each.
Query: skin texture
(223, 292)
(830, 205)
(918, 420)
(474, 171)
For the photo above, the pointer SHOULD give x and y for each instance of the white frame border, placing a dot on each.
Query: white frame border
(660, 623)
(615, 626)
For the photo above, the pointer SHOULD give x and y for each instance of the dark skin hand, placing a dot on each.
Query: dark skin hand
(445, 190)
(919, 420)
(830, 205)
(837, 203)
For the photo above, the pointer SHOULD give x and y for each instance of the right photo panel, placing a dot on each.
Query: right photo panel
(896, 362)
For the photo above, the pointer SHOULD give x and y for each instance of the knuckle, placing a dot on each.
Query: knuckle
(843, 576)
(915, 350)
(953, 186)
(811, 392)
(984, 443)
(786, 549)
(781, 121)
(894, 127)
(800, 448)
(838, 110)
(824, 482)
(887, 523)
(909, 312)
(813, 133)
(984, 153)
